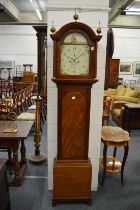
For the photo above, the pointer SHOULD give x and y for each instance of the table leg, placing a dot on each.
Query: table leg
(114, 153)
(126, 148)
(128, 121)
(104, 162)
(114, 156)
(16, 163)
(23, 153)
(19, 166)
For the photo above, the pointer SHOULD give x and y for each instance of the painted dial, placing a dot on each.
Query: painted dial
(75, 55)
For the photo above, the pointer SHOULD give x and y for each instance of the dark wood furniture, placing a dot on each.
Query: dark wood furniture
(72, 181)
(4, 189)
(17, 79)
(132, 116)
(75, 68)
(113, 73)
(116, 137)
(42, 58)
(126, 115)
(14, 141)
(9, 74)
(28, 77)
(21, 85)
(27, 65)
(112, 65)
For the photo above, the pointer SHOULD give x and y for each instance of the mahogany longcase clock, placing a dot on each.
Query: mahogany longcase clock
(75, 67)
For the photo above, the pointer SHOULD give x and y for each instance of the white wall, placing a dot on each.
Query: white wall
(18, 43)
(127, 48)
(92, 19)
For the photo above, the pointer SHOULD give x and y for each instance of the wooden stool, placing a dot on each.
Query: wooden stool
(116, 137)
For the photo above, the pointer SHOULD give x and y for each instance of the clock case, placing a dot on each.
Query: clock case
(72, 170)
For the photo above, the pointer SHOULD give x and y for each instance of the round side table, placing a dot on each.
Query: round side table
(116, 137)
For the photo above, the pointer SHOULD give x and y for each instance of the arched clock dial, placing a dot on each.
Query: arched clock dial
(75, 54)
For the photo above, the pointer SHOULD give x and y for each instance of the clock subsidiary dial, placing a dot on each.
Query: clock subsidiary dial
(74, 55)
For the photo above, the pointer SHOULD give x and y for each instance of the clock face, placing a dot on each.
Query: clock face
(74, 56)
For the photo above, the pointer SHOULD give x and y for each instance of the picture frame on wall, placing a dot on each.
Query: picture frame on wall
(126, 68)
(137, 68)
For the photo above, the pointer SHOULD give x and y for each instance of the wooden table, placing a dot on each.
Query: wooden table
(14, 141)
(116, 137)
(132, 116)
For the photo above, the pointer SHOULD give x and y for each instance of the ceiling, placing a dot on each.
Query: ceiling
(118, 17)
(23, 12)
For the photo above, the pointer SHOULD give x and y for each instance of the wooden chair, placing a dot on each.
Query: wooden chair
(17, 103)
(29, 91)
(106, 108)
(23, 100)
(5, 108)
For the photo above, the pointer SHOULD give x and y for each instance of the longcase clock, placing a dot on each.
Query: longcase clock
(75, 67)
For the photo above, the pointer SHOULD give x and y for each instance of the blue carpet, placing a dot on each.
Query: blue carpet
(34, 194)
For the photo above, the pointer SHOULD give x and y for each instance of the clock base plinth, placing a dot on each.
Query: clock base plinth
(72, 181)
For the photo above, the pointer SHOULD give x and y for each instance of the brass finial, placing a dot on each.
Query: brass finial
(53, 29)
(99, 29)
(75, 16)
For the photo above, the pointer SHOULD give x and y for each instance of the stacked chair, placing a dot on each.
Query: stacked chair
(20, 106)
(17, 102)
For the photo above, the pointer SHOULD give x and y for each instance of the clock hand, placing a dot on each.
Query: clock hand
(79, 56)
(68, 56)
